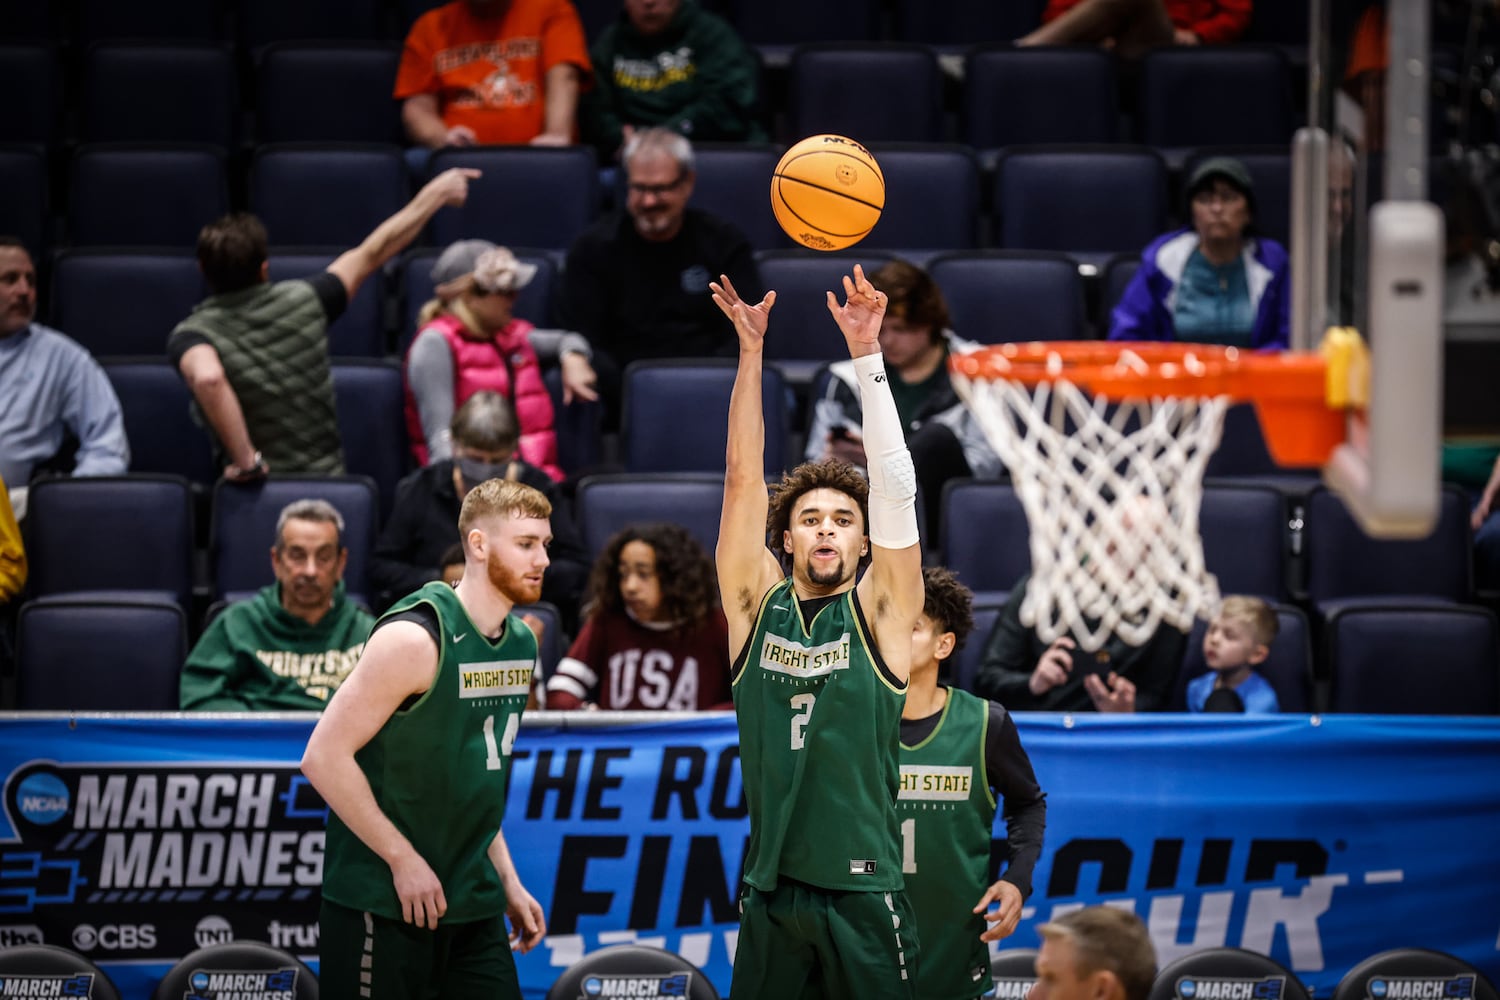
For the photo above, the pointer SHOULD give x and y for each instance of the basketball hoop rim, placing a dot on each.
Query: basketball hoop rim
(1290, 390)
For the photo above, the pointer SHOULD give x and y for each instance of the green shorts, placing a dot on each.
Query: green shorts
(799, 941)
(367, 957)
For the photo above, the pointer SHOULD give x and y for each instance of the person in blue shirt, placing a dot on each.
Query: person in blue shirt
(51, 391)
(1216, 282)
(1238, 639)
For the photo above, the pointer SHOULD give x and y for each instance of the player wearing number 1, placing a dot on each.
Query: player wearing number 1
(412, 756)
(957, 753)
(820, 665)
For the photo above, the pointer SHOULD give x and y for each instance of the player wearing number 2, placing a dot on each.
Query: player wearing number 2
(957, 753)
(412, 756)
(819, 672)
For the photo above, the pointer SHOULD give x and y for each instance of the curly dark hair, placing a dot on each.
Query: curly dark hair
(689, 585)
(949, 605)
(829, 474)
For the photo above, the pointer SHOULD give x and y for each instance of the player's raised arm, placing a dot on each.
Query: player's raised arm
(892, 587)
(746, 567)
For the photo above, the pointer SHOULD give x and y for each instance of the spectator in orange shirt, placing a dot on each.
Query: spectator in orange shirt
(1131, 27)
(491, 72)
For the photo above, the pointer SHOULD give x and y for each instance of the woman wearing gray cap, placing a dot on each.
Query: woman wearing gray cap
(468, 341)
(1217, 282)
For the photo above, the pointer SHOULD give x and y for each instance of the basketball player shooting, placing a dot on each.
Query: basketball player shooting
(820, 663)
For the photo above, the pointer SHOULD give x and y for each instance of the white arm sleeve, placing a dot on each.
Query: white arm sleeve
(893, 481)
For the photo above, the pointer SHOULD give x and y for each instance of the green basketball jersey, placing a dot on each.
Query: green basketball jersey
(947, 814)
(820, 723)
(438, 768)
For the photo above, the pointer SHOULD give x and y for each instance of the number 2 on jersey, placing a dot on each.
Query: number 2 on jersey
(803, 703)
(494, 758)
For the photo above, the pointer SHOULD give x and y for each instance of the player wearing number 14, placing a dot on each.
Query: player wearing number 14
(412, 756)
(819, 674)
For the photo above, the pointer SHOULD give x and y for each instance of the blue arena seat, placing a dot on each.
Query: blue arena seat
(606, 504)
(1344, 562)
(262, 22)
(111, 533)
(243, 527)
(870, 92)
(579, 426)
(655, 437)
(146, 195)
(353, 81)
(1116, 278)
(528, 195)
(931, 198)
(156, 404)
(1245, 542)
(960, 23)
(534, 304)
(115, 653)
(360, 331)
(159, 92)
(965, 665)
(996, 296)
(985, 537)
(164, 20)
(1015, 96)
(1413, 658)
(804, 337)
(1091, 202)
(731, 182)
(31, 70)
(372, 423)
(555, 641)
(1214, 95)
(1288, 668)
(334, 196)
(23, 213)
(773, 25)
(118, 302)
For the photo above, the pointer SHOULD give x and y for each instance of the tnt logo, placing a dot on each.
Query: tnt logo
(675, 985)
(211, 930)
(81, 985)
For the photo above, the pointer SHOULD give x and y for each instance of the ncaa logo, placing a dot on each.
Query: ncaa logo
(213, 930)
(592, 986)
(1377, 988)
(199, 981)
(1187, 989)
(42, 798)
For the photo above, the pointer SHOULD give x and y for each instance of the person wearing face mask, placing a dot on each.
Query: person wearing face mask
(485, 445)
(469, 340)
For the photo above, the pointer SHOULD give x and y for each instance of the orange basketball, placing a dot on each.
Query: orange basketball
(827, 192)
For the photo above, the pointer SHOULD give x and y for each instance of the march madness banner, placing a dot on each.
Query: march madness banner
(1318, 841)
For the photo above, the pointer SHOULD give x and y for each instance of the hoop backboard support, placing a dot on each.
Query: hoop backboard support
(1388, 471)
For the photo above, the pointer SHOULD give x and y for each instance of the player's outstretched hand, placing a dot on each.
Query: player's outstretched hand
(1053, 668)
(1002, 919)
(420, 892)
(451, 187)
(750, 322)
(528, 924)
(860, 316)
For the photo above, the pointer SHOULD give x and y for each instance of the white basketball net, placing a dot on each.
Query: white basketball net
(1111, 494)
